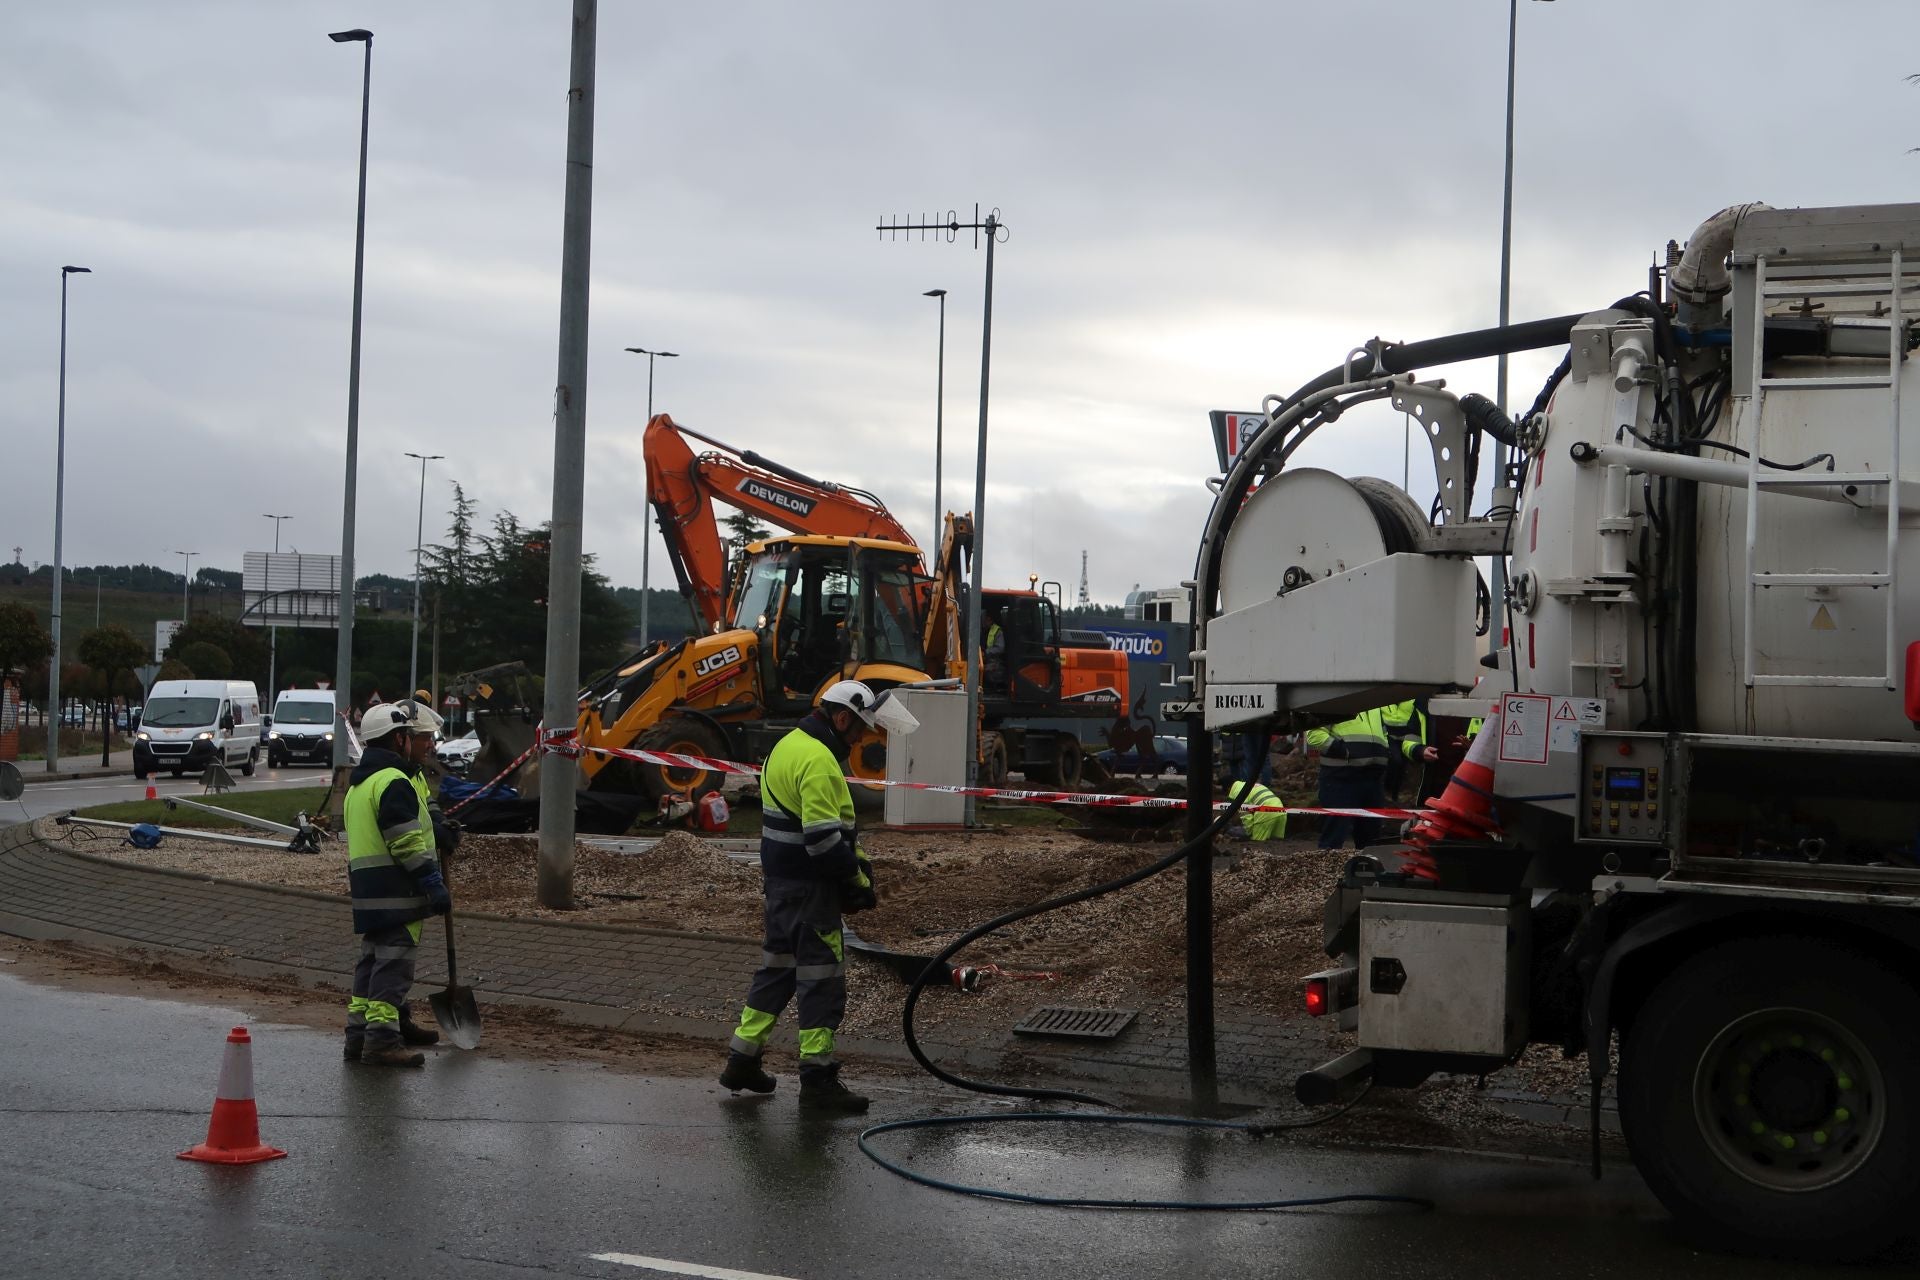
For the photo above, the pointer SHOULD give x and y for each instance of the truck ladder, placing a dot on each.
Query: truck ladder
(1881, 279)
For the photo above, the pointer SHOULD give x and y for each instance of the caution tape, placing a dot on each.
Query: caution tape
(566, 743)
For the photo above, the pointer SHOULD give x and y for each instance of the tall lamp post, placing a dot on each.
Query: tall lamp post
(186, 586)
(939, 425)
(1506, 280)
(419, 535)
(59, 512)
(273, 632)
(343, 657)
(646, 541)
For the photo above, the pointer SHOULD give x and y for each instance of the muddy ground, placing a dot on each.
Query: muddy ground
(1127, 948)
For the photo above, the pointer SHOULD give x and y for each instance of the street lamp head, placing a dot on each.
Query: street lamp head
(428, 457)
(934, 293)
(642, 351)
(342, 37)
(80, 271)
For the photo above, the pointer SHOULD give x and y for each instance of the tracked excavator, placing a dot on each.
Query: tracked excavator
(843, 594)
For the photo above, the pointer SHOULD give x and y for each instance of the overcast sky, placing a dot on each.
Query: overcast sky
(1207, 202)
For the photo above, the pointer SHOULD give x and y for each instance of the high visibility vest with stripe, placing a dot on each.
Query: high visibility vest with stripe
(1406, 725)
(1357, 743)
(1261, 826)
(806, 823)
(382, 863)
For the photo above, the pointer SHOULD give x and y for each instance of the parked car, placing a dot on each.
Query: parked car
(1169, 755)
(457, 754)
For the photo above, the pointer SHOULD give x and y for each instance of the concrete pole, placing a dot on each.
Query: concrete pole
(558, 772)
(343, 655)
(975, 658)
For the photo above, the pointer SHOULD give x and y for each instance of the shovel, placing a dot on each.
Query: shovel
(454, 1009)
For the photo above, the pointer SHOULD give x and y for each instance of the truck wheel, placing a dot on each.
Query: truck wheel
(681, 736)
(252, 763)
(993, 760)
(1768, 1095)
(1067, 760)
(139, 774)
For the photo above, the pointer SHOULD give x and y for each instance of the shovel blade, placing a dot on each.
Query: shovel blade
(458, 1015)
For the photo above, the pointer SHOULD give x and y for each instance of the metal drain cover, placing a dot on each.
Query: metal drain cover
(1082, 1024)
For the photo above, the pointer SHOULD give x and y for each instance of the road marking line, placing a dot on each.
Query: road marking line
(681, 1268)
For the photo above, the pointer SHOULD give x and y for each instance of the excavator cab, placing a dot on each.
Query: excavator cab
(827, 608)
(1027, 670)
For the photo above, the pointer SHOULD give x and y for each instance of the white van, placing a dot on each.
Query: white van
(190, 724)
(304, 722)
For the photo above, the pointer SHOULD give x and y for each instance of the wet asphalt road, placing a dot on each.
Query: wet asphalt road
(44, 798)
(480, 1166)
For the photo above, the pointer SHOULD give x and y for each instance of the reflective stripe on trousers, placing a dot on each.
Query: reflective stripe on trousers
(381, 981)
(802, 961)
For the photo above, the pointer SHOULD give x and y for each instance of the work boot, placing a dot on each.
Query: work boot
(391, 1054)
(745, 1072)
(412, 1032)
(821, 1090)
(354, 1045)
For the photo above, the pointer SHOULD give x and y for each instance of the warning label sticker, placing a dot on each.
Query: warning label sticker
(1570, 716)
(1524, 724)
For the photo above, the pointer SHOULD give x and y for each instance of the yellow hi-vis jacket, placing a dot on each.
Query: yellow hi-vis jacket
(1357, 743)
(1260, 826)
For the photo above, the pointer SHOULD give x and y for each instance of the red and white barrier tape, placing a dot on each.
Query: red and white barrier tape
(569, 746)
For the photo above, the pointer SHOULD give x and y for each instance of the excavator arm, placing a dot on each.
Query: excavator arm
(683, 486)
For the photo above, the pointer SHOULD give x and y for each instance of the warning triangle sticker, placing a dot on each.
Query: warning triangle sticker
(1823, 620)
(1564, 711)
(1514, 729)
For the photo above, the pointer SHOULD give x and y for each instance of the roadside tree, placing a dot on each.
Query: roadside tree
(110, 651)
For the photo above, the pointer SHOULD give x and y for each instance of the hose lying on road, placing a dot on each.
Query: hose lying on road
(939, 969)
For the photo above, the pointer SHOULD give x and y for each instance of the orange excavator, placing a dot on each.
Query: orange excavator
(842, 595)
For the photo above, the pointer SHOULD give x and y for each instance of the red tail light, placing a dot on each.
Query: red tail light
(1317, 997)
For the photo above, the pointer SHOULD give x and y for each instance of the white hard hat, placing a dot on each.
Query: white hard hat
(388, 716)
(876, 711)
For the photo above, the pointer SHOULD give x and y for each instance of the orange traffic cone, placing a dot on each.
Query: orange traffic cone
(153, 792)
(233, 1134)
(1464, 810)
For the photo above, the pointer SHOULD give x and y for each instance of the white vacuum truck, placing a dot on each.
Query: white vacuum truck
(1685, 840)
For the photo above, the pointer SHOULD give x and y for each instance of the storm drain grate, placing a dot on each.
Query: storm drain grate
(1083, 1024)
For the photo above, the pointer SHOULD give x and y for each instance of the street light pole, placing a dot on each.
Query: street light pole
(1499, 589)
(939, 426)
(59, 512)
(273, 632)
(419, 536)
(343, 658)
(186, 587)
(646, 540)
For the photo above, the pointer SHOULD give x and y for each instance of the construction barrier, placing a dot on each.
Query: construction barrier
(566, 742)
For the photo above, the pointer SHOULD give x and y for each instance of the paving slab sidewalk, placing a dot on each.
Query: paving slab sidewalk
(611, 976)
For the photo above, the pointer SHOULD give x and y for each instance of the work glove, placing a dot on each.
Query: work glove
(439, 901)
(856, 891)
(446, 836)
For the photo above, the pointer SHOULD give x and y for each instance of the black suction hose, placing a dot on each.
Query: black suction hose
(938, 967)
